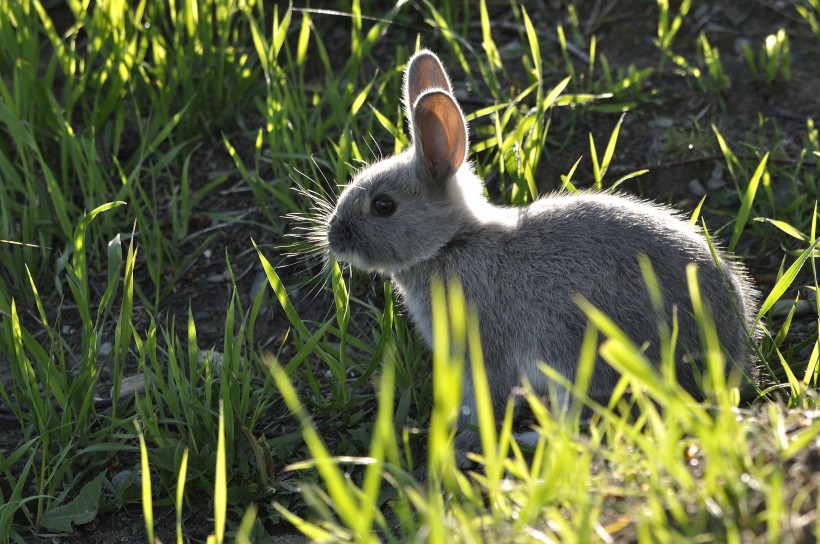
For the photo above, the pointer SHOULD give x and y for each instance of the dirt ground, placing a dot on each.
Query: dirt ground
(625, 31)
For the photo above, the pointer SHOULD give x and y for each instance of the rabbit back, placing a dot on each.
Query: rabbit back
(523, 275)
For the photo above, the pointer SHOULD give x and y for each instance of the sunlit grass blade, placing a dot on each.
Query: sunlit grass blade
(145, 485)
(181, 475)
(484, 404)
(243, 534)
(566, 182)
(785, 281)
(746, 203)
(220, 482)
(282, 295)
(449, 349)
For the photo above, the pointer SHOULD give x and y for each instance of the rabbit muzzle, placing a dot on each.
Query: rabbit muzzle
(339, 236)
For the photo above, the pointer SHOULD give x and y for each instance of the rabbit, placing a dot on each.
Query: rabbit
(422, 215)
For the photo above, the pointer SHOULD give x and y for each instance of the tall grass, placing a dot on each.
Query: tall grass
(690, 466)
(106, 118)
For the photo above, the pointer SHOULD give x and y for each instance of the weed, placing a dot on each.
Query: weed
(773, 59)
(668, 26)
(810, 12)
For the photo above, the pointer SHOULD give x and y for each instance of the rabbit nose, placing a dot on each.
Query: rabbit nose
(338, 232)
(334, 225)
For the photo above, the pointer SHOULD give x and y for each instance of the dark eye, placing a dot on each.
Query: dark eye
(383, 205)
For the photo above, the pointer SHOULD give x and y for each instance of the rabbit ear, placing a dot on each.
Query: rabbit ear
(424, 72)
(439, 133)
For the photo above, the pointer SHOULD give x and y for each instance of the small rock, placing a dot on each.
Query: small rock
(104, 349)
(216, 174)
(717, 171)
(716, 177)
(119, 479)
(696, 188)
(215, 358)
(805, 353)
(201, 315)
(661, 122)
(129, 385)
(67, 329)
(715, 183)
(219, 278)
(739, 43)
(783, 307)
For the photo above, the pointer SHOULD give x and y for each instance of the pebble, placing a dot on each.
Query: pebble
(201, 315)
(739, 43)
(783, 307)
(717, 171)
(715, 183)
(661, 122)
(219, 278)
(696, 188)
(119, 479)
(259, 282)
(716, 177)
(215, 358)
(129, 385)
(104, 349)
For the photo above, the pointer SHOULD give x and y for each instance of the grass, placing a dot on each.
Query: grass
(147, 145)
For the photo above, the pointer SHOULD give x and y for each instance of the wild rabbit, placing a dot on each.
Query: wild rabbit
(422, 215)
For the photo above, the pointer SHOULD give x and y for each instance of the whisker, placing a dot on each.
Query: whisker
(372, 153)
(379, 155)
(305, 242)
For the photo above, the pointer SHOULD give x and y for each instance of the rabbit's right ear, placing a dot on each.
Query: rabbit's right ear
(439, 134)
(424, 72)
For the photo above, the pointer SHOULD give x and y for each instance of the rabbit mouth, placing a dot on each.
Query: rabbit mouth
(352, 258)
(360, 261)
(342, 248)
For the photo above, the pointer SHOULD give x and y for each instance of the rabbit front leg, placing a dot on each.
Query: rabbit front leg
(467, 437)
(503, 378)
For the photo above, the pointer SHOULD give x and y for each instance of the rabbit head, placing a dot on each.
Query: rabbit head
(402, 210)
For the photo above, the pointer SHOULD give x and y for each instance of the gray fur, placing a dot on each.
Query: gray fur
(522, 267)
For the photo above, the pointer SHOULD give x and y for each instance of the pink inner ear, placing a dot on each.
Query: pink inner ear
(441, 134)
(436, 145)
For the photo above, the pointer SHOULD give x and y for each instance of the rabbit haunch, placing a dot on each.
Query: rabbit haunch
(422, 215)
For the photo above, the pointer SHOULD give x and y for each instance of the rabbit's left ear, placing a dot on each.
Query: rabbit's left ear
(424, 72)
(439, 134)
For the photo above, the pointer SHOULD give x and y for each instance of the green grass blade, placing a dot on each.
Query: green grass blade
(220, 481)
(145, 478)
(610, 146)
(282, 295)
(181, 475)
(746, 203)
(785, 281)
